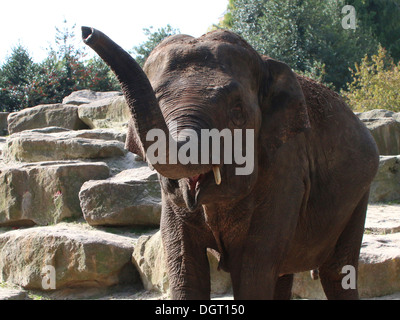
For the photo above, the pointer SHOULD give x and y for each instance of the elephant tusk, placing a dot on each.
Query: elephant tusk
(217, 174)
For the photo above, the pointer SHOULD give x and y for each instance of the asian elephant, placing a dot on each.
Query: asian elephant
(302, 206)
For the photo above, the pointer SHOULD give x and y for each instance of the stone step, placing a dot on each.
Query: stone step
(132, 197)
(46, 115)
(35, 146)
(44, 193)
(66, 255)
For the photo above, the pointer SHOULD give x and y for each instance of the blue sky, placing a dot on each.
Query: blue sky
(32, 23)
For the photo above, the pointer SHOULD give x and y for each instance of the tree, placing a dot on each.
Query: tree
(376, 83)
(153, 39)
(66, 62)
(382, 18)
(100, 77)
(307, 35)
(227, 21)
(15, 78)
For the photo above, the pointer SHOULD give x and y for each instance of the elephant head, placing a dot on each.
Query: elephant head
(217, 82)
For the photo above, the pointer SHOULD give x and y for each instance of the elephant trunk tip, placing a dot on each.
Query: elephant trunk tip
(87, 34)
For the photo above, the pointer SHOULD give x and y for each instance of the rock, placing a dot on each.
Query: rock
(386, 133)
(2, 144)
(50, 130)
(101, 134)
(126, 162)
(383, 218)
(220, 280)
(13, 294)
(66, 256)
(87, 96)
(385, 128)
(111, 112)
(3, 123)
(29, 146)
(59, 115)
(379, 269)
(45, 192)
(386, 185)
(149, 259)
(375, 114)
(132, 197)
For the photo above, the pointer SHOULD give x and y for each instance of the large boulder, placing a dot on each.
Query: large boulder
(45, 192)
(379, 265)
(3, 123)
(384, 126)
(87, 96)
(66, 256)
(386, 184)
(132, 197)
(149, 259)
(33, 146)
(112, 112)
(58, 115)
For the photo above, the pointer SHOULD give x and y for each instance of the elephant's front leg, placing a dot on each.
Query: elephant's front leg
(265, 248)
(186, 252)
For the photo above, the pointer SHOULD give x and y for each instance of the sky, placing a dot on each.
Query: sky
(32, 22)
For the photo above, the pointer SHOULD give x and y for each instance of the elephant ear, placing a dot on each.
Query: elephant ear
(283, 107)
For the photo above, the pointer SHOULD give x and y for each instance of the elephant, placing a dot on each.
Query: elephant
(302, 206)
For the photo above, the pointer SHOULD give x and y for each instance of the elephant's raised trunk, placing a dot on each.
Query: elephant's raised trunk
(139, 94)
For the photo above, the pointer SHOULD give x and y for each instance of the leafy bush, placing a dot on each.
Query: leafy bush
(376, 84)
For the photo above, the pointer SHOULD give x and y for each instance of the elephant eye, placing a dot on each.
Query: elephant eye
(237, 115)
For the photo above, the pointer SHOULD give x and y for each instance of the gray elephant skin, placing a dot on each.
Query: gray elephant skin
(301, 208)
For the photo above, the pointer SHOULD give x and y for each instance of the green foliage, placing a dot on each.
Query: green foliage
(227, 21)
(99, 76)
(382, 18)
(15, 78)
(307, 35)
(376, 84)
(153, 39)
(24, 83)
(18, 67)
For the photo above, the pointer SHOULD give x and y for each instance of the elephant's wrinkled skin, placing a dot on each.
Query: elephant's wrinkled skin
(303, 207)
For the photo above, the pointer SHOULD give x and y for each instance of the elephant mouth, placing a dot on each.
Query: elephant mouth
(195, 187)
